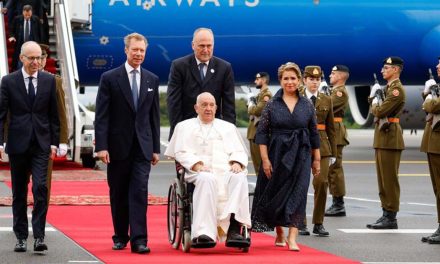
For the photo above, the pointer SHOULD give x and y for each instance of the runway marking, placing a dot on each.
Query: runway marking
(400, 262)
(9, 229)
(388, 231)
(83, 261)
(413, 174)
(374, 162)
(432, 205)
(377, 201)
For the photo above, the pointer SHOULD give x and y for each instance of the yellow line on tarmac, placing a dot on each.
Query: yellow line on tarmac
(373, 162)
(413, 174)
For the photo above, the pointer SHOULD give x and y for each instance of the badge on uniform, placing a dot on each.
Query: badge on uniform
(338, 93)
(396, 92)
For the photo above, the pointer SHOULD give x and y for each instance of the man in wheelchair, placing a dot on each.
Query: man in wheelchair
(215, 160)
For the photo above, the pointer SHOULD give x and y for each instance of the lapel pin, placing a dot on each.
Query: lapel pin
(212, 71)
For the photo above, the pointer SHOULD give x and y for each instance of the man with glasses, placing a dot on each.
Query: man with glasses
(28, 96)
(196, 73)
(388, 140)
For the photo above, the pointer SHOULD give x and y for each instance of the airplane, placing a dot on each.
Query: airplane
(260, 35)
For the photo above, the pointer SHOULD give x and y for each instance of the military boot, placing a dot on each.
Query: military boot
(436, 233)
(337, 208)
(387, 221)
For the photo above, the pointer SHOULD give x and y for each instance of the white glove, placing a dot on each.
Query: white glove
(375, 101)
(62, 150)
(429, 97)
(321, 85)
(331, 161)
(251, 100)
(428, 84)
(374, 89)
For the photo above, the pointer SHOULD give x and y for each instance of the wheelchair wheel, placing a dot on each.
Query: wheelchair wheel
(186, 241)
(173, 217)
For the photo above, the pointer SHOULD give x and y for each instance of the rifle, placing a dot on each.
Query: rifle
(380, 96)
(435, 92)
(324, 87)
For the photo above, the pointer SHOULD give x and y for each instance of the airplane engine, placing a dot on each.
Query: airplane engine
(412, 117)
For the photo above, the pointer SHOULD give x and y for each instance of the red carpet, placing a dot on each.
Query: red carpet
(91, 227)
(78, 193)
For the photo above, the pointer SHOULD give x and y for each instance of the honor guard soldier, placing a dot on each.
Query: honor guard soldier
(388, 140)
(430, 145)
(62, 114)
(326, 127)
(255, 107)
(336, 179)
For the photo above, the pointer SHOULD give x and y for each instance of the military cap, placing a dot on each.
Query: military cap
(262, 75)
(341, 68)
(396, 61)
(312, 71)
(44, 49)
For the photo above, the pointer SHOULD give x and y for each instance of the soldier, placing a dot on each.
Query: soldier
(388, 141)
(325, 124)
(255, 107)
(336, 180)
(61, 105)
(430, 145)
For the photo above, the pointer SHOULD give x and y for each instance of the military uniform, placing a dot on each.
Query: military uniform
(61, 106)
(336, 177)
(254, 112)
(388, 145)
(64, 132)
(326, 128)
(430, 145)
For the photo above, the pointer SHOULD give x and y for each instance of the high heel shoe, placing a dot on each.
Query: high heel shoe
(280, 241)
(292, 246)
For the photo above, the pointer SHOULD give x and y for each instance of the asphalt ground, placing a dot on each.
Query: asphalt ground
(348, 235)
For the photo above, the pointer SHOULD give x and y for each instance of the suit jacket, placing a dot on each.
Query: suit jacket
(117, 122)
(17, 30)
(185, 84)
(41, 118)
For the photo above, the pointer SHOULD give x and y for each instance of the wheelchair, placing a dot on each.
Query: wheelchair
(179, 215)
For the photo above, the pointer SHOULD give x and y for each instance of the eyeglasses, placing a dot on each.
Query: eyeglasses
(31, 59)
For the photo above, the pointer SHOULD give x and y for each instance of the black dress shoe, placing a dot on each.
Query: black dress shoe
(434, 239)
(304, 231)
(203, 241)
(21, 245)
(119, 245)
(319, 230)
(236, 240)
(140, 249)
(39, 245)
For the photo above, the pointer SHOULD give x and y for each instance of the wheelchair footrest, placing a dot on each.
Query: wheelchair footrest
(238, 243)
(203, 245)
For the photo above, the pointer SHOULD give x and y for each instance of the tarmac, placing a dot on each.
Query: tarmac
(348, 235)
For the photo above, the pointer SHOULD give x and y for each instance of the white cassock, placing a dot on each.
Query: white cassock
(219, 192)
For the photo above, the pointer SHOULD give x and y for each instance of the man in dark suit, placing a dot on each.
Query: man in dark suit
(196, 73)
(28, 96)
(24, 28)
(127, 131)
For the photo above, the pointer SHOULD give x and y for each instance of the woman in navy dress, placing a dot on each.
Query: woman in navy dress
(289, 146)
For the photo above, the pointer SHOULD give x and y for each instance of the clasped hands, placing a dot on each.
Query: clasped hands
(199, 166)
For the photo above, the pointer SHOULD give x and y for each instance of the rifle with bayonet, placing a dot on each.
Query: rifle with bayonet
(380, 96)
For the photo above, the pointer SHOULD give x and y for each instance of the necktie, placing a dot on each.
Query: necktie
(31, 90)
(26, 30)
(313, 100)
(202, 72)
(134, 89)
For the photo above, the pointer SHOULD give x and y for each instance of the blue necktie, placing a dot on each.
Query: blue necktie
(134, 89)
(31, 90)
(202, 72)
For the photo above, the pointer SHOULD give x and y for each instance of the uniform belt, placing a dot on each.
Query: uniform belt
(393, 119)
(338, 119)
(320, 126)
